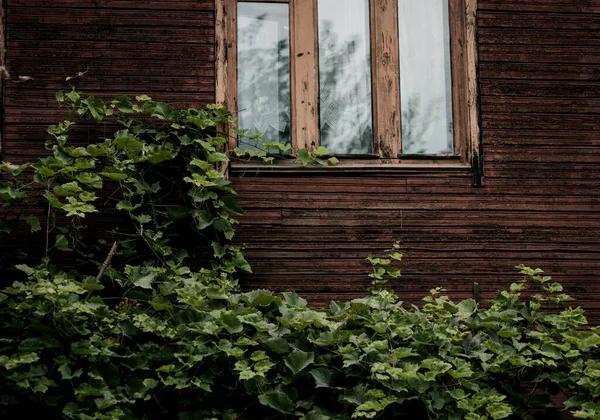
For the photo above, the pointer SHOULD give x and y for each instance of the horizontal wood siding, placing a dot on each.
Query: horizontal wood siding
(540, 104)
(161, 48)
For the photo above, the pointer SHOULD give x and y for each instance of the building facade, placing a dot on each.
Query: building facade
(516, 179)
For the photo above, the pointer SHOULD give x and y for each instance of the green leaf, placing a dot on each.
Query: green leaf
(76, 151)
(240, 262)
(62, 243)
(277, 344)
(404, 352)
(127, 327)
(123, 104)
(457, 394)
(323, 377)
(124, 140)
(160, 304)
(37, 343)
(96, 107)
(89, 178)
(313, 415)
(231, 205)
(126, 205)
(277, 400)
(218, 157)
(17, 360)
(142, 218)
(106, 401)
(260, 297)
(25, 269)
(73, 96)
(143, 277)
(370, 408)
(499, 410)
(79, 208)
(548, 351)
(257, 356)
(466, 308)
(303, 156)
(66, 373)
(321, 151)
(293, 299)
(111, 173)
(67, 189)
(7, 193)
(166, 368)
(150, 383)
(87, 196)
(157, 153)
(164, 111)
(299, 360)
(203, 219)
(12, 169)
(33, 222)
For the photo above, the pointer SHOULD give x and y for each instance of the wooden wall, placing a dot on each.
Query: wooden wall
(163, 48)
(540, 100)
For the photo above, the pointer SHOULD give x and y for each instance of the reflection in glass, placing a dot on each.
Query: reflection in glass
(425, 79)
(264, 69)
(345, 76)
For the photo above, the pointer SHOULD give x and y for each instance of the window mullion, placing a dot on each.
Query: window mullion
(459, 81)
(386, 83)
(305, 80)
(226, 68)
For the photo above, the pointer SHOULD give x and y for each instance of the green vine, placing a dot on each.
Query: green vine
(255, 147)
(122, 324)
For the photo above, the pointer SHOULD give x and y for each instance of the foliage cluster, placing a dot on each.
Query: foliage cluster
(148, 336)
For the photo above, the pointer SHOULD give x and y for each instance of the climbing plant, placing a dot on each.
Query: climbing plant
(122, 322)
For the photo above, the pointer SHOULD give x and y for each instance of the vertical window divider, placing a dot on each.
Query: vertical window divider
(293, 95)
(459, 83)
(226, 70)
(305, 74)
(385, 68)
(377, 143)
(476, 151)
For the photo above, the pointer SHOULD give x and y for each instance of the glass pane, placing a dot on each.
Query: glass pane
(264, 69)
(425, 80)
(346, 117)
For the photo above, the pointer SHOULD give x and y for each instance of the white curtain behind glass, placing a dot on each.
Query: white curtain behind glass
(263, 69)
(346, 118)
(425, 79)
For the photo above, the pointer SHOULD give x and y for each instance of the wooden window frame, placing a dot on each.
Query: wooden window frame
(385, 70)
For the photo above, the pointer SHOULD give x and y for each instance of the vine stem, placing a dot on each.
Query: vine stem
(48, 227)
(106, 263)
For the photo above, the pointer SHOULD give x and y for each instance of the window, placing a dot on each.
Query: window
(390, 82)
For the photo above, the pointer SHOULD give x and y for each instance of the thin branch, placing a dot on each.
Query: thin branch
(107, 261)
(48, 227)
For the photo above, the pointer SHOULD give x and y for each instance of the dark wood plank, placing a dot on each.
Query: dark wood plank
(559, 6)
(125, 17)
(142, 5)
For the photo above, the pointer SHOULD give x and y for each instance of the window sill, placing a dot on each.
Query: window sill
(432, 165)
